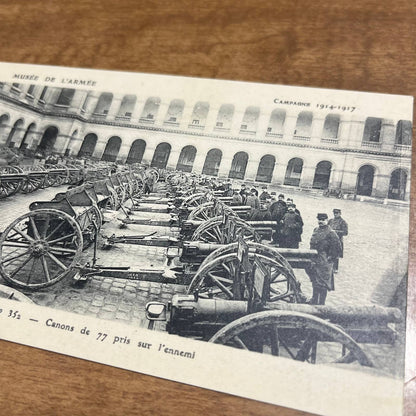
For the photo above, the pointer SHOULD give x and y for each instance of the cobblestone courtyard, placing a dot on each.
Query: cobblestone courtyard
(369, 271)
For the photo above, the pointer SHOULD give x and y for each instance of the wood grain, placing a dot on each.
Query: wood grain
(365, 45)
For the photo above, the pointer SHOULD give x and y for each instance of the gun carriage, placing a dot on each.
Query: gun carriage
(240, 292)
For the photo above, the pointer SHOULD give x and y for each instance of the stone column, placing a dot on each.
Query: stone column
(148, 153)
(6, 129)
(343, 132)
(123, 153)
(35, 137)
(161, 113)
(251, 169)
(173, 158)
(380, 185)
(317, 129)
(225, 166)
(356, 133)
(75, 146)
(77, 101)
(199, 161)
(388, 135)
(289, 126)
(262, 125)
(114, 107)
(137, 111)
(211, 119)
(236, 121)
(99, 149)
(308, 173)
(186, 117)
(61, 143)
(279, 173)
(91, 104)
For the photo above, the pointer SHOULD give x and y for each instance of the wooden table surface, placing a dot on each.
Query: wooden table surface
(368, 45)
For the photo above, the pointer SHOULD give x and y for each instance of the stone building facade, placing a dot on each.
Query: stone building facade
(282, 146)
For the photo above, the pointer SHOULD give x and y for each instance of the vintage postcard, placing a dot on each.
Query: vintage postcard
(246, 238)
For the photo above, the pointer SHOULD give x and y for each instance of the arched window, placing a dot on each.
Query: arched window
(150, 110)
(293, 172)
(276, 123)
(404, 133)
(212, 162)
(250, 119)
(265, 169)
(331, 126)
(111, 149)
(322, 175)
(4, 120)
(365, 180)
(24, 142)
(136, 151)
(48, 140)
(372, 130)
(303, 125)
(199, 115)
(174, 113)
(225, 117)
(161, 155)
(126, 107)
(65, 97)
(88, 145)
(186, 159)
(103, 104)
(397, 185)
(238, 165)
(18, 125)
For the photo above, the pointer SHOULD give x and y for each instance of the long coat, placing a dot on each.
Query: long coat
(340, 226)
(328, 246)
(290, 230)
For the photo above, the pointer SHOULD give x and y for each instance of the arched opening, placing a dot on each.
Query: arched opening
(150, 110)
(238, 165)
(199, 114)
(174, 113)
(4, 119)
(397, 185)
(136, 151)
(111, 149)
(65, 97)
(365, 180)
(24, 142)
(212, 162)
(126, 107)
(16, 127)
(293, 172)
(322, 175)
(372, 130)
(303, 127)
(186, 159)
(103, 104)
(265, 169)
(276, 123)
(161, 155)
(404, 133)
(48, 140)
(88, 145)
(250, 118)
(225, 117)
(331, 126)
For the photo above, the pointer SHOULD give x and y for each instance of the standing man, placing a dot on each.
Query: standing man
(253, 201)
(340, 226)
(291, 228)
(277, 210)
(325, 240)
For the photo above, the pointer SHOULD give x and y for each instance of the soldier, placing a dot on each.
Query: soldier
(325, 240)
(340, 226)
(243, 193)
(252, 201)
(237, 199)
(291, 228)
(277, 210)
(264, 195)
(261, 214)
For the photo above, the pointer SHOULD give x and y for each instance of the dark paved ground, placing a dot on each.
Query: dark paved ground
(368, 272)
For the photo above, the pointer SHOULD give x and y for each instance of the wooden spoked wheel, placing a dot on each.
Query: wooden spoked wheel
(209, 210)
(90, 220)
(215, 277)
(32, 183)
(195, 200)
(39, 248)
(294, 335)
(215, 231)
(9, 185)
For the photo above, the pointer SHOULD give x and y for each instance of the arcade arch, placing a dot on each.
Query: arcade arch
(238, 166)
(365, 180)
(88, 145)
(322, 175)
(136, 151)
(293, 172)
(212, 162)
(265, 169)
(397, 185)
(161, 155)
(111, 149)
(186, 159)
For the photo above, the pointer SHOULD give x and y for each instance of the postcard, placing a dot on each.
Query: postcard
(246, 238)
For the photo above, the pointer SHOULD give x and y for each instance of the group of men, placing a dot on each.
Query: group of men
(288, 221)
(327, 238)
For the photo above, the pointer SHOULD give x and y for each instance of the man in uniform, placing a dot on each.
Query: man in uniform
(252, 201)
(325, 240)
(277, 210)
(237, 198)
(291, 228)
(340, 226)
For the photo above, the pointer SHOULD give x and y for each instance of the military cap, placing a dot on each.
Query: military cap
(336, 211)
(322, 216)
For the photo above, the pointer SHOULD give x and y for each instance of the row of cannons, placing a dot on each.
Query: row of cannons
(239, 290)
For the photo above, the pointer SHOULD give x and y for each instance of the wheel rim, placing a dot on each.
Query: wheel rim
(293, 335)
(39, 248)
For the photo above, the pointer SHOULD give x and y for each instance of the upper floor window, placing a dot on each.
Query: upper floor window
(404, 132)
(372, 130)
(304, 124)
(65, 97)
(331, 126)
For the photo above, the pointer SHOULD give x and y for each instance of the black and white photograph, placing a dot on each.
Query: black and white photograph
(271, 221)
